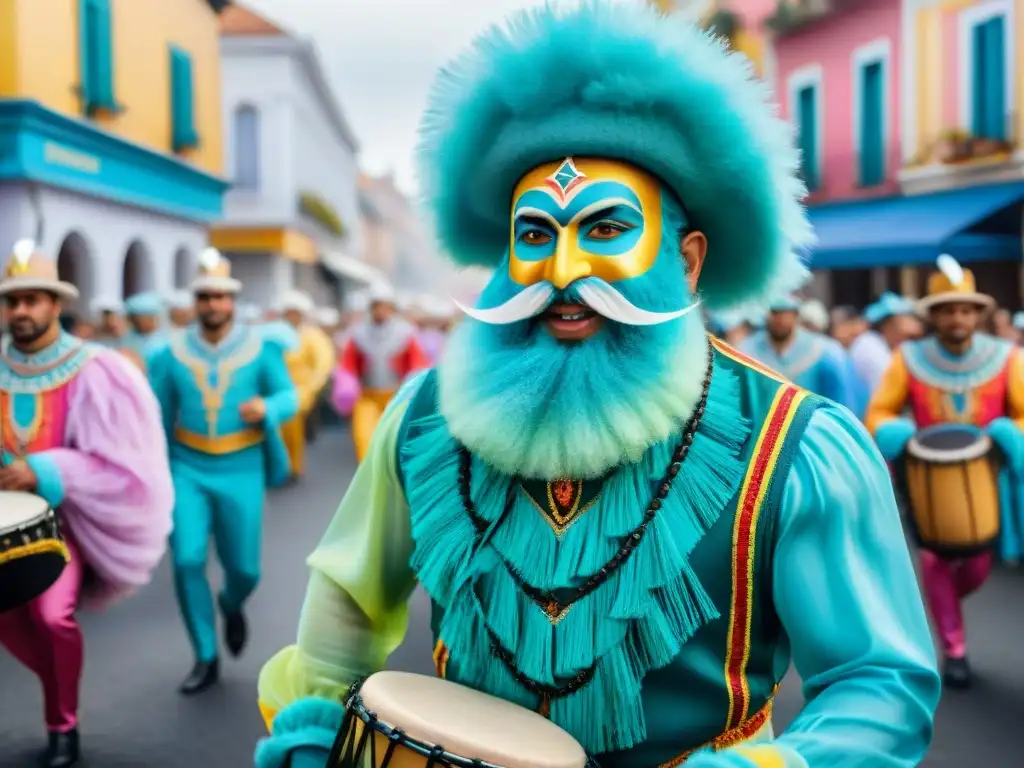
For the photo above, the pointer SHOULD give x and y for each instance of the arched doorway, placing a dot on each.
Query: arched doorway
(184, 268)
(138, 270)
(74, 264)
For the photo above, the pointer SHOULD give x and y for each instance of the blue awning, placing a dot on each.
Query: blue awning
(914, 230)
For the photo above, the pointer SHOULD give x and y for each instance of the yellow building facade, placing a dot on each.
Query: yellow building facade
(115, 109)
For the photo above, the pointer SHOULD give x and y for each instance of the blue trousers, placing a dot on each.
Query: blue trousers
(220, 496)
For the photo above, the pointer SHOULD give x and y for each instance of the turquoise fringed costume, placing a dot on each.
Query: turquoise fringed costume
(220, 463)
(636, 529)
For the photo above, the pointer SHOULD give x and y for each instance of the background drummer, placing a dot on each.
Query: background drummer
(956, 375)
(81, 429)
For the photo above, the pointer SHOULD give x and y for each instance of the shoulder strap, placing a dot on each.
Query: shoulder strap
(780, 433)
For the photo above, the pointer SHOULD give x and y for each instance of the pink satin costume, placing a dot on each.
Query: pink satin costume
(89, 427)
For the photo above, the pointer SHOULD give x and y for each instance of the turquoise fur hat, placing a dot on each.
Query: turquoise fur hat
(144, 305)
(888, 305)
(619, 81)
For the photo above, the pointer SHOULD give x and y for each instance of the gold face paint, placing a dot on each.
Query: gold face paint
(584, 218)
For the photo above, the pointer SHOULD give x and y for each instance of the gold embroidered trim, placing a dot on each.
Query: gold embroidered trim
(560, 521)
(42, 547)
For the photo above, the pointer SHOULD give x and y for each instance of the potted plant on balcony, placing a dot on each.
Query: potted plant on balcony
(953, 146)
(982, 147)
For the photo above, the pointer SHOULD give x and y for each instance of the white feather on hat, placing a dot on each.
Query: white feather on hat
(215, 274)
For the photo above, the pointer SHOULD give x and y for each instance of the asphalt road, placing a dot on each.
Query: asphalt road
(137, 654)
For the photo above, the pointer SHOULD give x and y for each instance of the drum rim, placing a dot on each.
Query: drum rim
(357, 707)
(976, 451)
(38, 520)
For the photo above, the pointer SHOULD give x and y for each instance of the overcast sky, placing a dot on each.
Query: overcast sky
(380, 56)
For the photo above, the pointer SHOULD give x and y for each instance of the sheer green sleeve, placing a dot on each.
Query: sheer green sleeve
(354, 614)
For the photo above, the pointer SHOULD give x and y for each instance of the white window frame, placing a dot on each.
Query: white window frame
(968, 19)
(809, 76)
(876, 52)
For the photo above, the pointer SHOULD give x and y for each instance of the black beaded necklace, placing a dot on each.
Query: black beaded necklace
(556, 608)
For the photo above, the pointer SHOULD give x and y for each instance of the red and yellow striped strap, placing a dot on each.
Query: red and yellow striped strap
(745, 360)
(752, 495)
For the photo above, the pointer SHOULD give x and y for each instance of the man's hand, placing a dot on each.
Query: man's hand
(253, 411)
(18, 476)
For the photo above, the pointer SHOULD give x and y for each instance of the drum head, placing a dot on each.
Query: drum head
(949, 443)
(468, 723)
(18, 508)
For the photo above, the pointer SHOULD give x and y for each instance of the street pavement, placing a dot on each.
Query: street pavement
(137, 653)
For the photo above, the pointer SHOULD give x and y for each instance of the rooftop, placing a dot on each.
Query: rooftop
(239, 21)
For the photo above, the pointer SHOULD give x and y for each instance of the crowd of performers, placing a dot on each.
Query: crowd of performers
(628, 527)
(165, 429)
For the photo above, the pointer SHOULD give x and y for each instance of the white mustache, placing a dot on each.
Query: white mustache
(596, 294)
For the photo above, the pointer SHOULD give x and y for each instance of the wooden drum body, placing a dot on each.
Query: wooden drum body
(402, 720)
(951, 476)
(32, 551)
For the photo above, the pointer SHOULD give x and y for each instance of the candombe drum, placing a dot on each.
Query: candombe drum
(32, 552)
(402, 720)
(951, 476)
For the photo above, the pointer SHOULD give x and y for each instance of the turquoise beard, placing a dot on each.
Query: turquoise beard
(536, 407)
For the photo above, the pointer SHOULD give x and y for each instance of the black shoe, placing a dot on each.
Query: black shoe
(957, 674)
(236, 632)
(203, 675)
(62, 750)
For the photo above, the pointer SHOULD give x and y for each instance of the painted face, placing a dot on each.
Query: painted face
(584, 218)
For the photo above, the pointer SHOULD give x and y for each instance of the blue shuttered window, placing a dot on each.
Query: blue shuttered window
(807, 118)
(96, 56)
(872, 138)
(183, 111)
(988, 79)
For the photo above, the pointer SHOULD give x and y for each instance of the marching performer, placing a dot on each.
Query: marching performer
(807, 358)
(622, 523)
(225, 394)
(181, 309)
(111, 329)
(892, 320)
(379, 353)
(959, 376)
(80, 428)
(143, 311)
(310, 365)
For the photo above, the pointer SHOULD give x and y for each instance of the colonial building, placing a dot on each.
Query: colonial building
(292, 217)
(110, 120)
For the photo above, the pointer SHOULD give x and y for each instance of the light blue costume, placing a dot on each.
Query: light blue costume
(221, 464)
(1018, 321)
(614, 475)
(812, 360)
(143, 305)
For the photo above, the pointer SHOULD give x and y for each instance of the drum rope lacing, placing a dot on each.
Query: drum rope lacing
(547, 600)
(348, 751)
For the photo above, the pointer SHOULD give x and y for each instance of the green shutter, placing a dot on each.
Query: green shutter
(807, 116)
(988, 79)
(183, 128)
(872, 139)
(995, 78)
(96, 56)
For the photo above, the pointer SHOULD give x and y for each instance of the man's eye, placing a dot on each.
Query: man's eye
(605, 230)
(535, 237)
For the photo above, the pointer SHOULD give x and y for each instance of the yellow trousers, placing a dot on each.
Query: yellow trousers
(365, 415)
(294, 435)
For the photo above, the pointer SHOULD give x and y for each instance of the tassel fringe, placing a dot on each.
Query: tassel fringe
(637, 621)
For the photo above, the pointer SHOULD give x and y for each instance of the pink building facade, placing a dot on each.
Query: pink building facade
(838, 82)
